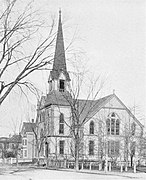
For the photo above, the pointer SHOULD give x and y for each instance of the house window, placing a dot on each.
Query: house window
(61, 85)
(91, 127)
(61, 124)
(113, 125)
(61, 147)
(91, 147)
(25, 153)
(113, 148)
(25, 142)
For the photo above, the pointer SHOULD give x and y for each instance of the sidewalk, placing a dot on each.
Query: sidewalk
(9, 169)
(12, 169)
(112, 173)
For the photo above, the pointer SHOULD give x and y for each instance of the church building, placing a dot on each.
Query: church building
(91, 130)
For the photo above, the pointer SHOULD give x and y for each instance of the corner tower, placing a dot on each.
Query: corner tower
(59, 78)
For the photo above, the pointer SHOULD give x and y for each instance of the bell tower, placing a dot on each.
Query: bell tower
(59, 78)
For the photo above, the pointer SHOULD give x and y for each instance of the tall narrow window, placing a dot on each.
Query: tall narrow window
(117, 147)
(25, 141)
(117, 126)
(61, 124)
(61, 85)
(91, 148)
(133, 128)
(113, 125)
(25, 153)
(91, 127)
(108, 126)
(61, 147)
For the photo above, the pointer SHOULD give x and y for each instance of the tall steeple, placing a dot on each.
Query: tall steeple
(59, 64)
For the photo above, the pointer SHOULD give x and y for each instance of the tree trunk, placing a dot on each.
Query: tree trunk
(38, 159)
(16, 158)
(76, 155)
(77, 161)
(131, 160)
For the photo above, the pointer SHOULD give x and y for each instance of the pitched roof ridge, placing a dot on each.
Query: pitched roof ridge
(96, 99)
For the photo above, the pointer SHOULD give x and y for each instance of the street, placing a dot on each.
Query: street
(45, 174)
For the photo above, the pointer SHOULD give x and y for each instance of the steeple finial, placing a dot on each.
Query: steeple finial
(60, 12)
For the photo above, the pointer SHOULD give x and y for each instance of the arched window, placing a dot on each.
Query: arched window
(61, 123)
(61, 85)
(113, 125)
(91, 127)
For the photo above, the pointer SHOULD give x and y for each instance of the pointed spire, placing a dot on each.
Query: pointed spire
(59, 57)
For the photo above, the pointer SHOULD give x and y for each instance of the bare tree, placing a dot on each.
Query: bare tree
(22, 51)
(81, 110)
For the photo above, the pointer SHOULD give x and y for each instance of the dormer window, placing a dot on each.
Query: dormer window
(61, 85)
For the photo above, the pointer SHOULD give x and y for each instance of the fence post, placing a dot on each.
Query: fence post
(121, 167)
(100, 166)
(134, 167)
(90, 167)
(82, 166)
(126, 168)
(110, 166)
(106, 166)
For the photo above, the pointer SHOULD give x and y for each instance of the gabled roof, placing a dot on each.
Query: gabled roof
(87, 108)
(16, 138)
(129, 112)
(58, 98)
(28, 127)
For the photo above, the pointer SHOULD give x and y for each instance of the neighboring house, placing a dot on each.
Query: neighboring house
(28, 142)
(15, 145)
(10, 147)
(111, 130)
(4, 145)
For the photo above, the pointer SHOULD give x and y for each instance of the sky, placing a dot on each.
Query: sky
(112, 36)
